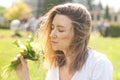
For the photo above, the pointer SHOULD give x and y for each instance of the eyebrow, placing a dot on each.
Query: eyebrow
(59, 25)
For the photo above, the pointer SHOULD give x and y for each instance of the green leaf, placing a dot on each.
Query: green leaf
(19, 44)
(28, 46)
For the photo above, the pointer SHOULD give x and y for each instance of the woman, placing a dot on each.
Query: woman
(66, 33)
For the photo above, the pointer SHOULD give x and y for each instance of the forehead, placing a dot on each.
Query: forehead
(62, 20)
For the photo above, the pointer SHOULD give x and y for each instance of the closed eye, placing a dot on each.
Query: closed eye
(58, 27)
(60, 30)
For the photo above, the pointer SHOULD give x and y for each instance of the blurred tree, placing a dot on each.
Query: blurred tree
(87, 3)
(90, 4)
(100, 6)
(2, 20)
(48, 4)
(84, 2)
(63, 1)
(2, 10)
(20, 9)
(107, 13)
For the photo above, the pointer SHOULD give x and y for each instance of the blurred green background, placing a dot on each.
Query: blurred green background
(109, 46)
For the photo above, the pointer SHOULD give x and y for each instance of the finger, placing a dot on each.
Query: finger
(23, 61)
(22, 56)
(14, 59)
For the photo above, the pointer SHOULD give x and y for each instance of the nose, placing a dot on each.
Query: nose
(53, 34)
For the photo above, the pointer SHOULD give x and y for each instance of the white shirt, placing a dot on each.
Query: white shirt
(97, 67)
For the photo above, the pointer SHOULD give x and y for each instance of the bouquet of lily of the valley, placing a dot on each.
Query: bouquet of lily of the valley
(29, 52)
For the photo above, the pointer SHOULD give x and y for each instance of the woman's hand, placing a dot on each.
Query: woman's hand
(22, 69)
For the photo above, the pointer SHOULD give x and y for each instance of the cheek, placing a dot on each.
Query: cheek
(66, 38)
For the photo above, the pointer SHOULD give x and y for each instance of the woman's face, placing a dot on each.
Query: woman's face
(62, 32)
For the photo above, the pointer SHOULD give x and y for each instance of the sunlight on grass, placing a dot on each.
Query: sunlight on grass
(109, 46)
(8, 51)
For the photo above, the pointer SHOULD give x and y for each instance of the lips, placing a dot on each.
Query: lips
(54, 42)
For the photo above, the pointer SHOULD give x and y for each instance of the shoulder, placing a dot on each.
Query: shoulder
(97, 63)
(52, 74)
(95, 57)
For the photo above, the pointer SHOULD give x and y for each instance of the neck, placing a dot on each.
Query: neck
(68, 60)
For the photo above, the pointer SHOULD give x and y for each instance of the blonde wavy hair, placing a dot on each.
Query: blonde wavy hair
(81, 21)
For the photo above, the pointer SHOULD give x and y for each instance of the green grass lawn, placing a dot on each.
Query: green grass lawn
(8, 51)
(108, 46)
